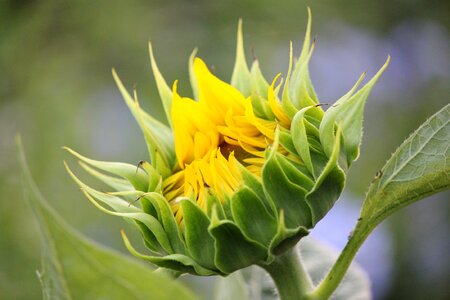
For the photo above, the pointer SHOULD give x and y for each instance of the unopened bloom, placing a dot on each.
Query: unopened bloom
(239, 175)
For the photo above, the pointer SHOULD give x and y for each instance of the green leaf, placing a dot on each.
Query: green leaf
(76, 268)
(420, 167)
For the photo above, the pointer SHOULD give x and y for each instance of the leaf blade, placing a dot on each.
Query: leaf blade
(77, 268)
(420, 167)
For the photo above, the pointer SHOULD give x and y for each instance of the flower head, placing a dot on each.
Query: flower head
(239, 175)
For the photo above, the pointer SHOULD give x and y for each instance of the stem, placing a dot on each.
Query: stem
(289, 275)
(340, 267)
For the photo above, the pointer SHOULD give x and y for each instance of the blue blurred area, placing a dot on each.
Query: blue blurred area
(56, 89)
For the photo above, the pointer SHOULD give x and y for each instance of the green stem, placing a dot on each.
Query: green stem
(340, 267)
(291, 279)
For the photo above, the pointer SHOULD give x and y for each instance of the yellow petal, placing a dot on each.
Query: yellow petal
(216, 95)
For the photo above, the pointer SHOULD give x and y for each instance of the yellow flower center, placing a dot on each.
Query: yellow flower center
(212, 136)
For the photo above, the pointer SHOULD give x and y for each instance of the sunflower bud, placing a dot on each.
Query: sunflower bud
(242, 172)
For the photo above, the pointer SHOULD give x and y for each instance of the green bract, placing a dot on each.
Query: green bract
(302, 175)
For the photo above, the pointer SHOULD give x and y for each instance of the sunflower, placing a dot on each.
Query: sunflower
(241, 172)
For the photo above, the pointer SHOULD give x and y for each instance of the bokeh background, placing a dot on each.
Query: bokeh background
(56, 89)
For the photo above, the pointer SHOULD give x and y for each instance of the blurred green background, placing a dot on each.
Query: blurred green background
(56, 89)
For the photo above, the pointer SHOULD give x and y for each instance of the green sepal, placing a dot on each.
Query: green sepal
(328, 125)
(167, 219)
(138, 178)
(161, 165)
(192, 78)
(155, 179)
(151, 229)
(295, 172)
(285, 193)
(315, 147)
(259, 83)
(148, 207)
(226, 204)
(137, 197)
(233, 250)
(153, 225)
(165, 92)
(328, 186)
(252, 217)
(117, 184)
(289, 109)
(286, 141)
(161, 147)
(312, 126)
(150, 240)
(214, 204)
(254, 183)
(300, 139)
(285, 238)
(199, 242)
(261, 107)
(241, 78)
(178, 262)
(301, 90)
(347, 112)
(158, 136)
(115, 203)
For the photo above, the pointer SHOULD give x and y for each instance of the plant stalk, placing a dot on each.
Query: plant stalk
(334, 277)
(290, 277)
